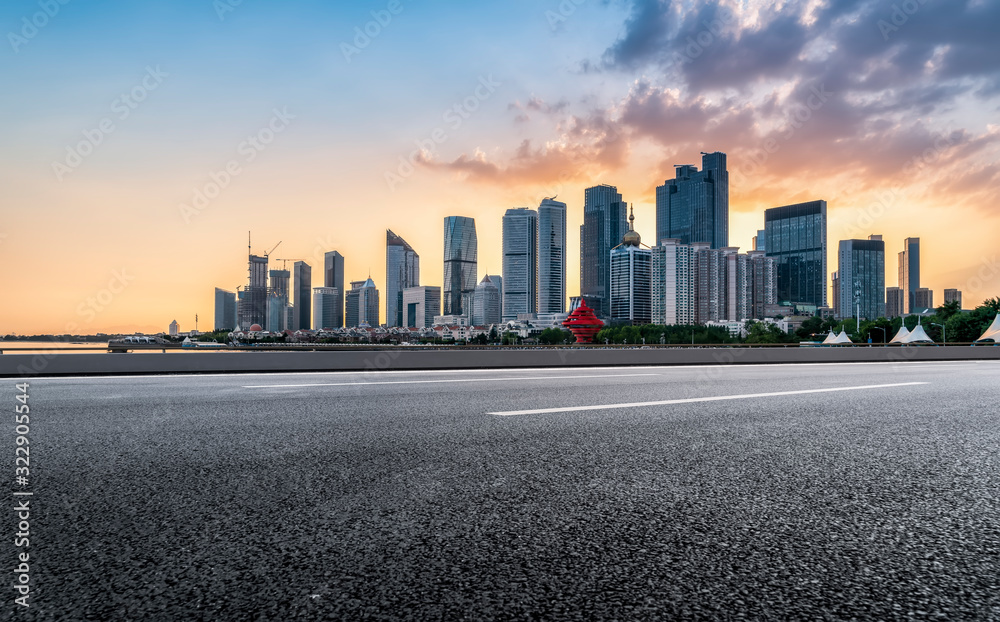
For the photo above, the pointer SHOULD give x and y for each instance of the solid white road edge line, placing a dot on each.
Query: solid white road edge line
(717, 398)
(448, 381)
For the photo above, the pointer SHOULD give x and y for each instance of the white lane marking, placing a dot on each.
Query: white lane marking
(662, 368)
(497, 379)
(691, 400)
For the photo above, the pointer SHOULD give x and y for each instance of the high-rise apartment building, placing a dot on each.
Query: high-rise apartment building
(923, 299)
(694, 206)
(325, 301)
(631, 271)
(420, 305)
(486, 303)
(461, 249)
(763, 278)
(953, 295)
(362, 304)
(894, 305)
(672, 293)
(551, 256)
(302, 284)
(796, 239)
(861, 278)
(909, 273)
(333, 276)
(520, 262)
(225, 309)
(402, 271)
(605, 221)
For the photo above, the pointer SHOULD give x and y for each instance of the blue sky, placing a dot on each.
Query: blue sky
(596, 92)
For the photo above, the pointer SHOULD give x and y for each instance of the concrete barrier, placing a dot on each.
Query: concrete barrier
(71, 364)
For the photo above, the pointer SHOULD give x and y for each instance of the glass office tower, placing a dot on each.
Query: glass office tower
(604, 223)
(861, 278)
(460, 264)
(694, 206)
(551, 256)
(520, 262)
(402, 271)
(796, 239)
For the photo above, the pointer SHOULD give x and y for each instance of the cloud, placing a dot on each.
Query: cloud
(857, 94)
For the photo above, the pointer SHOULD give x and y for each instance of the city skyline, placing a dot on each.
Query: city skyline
(139, 133)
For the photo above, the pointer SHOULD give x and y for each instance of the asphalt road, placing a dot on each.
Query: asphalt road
(417, 495)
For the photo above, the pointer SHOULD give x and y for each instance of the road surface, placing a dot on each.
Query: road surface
(850, 491)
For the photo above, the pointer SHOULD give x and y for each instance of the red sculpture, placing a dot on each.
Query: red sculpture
(583, 323)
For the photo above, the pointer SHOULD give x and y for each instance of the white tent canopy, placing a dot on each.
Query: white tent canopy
(917, 335)
(836, 340)
(993, 332)
(901, 335)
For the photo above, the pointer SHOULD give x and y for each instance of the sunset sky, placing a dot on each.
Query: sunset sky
(116, 115)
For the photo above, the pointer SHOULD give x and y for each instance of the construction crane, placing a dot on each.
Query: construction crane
(268, 253)
(284, 262)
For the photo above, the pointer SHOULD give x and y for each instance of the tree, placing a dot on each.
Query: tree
(552, 336)
(765, 332)
(992, 303)
(947, 310)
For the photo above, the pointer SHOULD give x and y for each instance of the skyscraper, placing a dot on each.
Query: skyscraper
(333, 276)
(760, 241)
(953, 295)
(923, 299)
(486, 303)
(302, 284)
(551, 256)
(362, 304)
(253, 305)
(460, 264)
(325, 300)
(277, 300)
(402, 271)
(672, 294)
(225, 309)
(894, 305)
(694, 206)
(631, 271)
(763, 282)
(421, 304)
(861, 278)
(909, 273)
(796, 239)
(520, 262)
(605, 221)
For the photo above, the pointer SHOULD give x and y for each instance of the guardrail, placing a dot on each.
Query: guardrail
(333, 347)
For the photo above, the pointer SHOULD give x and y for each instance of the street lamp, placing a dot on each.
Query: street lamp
(878, 328)
(944, 332)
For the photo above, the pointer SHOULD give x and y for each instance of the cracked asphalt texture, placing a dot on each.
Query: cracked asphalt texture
(397, 496)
